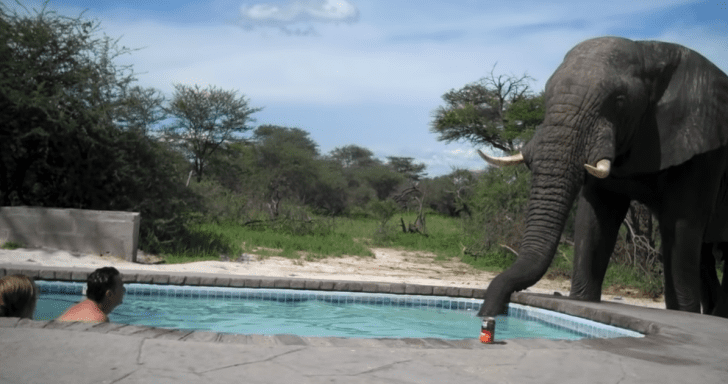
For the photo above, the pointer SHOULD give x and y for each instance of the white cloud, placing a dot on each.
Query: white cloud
(297, 14)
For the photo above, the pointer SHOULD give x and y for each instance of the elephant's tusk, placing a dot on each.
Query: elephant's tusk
(601, 170)
(506, 160)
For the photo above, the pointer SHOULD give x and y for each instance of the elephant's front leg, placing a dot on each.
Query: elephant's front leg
(598, 218)
(681, 245)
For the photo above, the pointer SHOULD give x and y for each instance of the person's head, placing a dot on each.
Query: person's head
(18, 296)
(104, 287)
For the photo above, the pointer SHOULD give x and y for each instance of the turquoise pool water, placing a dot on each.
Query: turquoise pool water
(316, 313)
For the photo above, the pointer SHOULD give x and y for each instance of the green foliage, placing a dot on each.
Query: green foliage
(383, 211)
(353, 156)
(58, 98)
(289, 168)
(522, 117)
(381, 179)
(406, 167)
(498, 206)
(498, 111)
(449, 194)
(205, 119)
(11, 245)
(220, 204)
(140, 109)
(74, 129)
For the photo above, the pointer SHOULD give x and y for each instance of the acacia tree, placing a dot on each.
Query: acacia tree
(353, 156)
(69, 137)
(140, 109)
(205, 119)
(498, 111)
(406, 167)
(287, 160)
(59, 92)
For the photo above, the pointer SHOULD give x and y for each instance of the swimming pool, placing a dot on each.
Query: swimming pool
(317, 313)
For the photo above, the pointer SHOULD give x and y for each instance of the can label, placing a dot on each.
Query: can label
(487, 330)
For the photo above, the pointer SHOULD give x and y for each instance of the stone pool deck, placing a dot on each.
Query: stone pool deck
(679, 347)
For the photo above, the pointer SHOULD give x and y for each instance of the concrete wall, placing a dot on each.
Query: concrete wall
(75, 230)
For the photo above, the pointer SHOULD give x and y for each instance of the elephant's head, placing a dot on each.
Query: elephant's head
(614, 108)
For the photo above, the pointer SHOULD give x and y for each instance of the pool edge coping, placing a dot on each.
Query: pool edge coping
(559, 304)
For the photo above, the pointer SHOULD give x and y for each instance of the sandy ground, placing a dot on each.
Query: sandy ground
(388, 265)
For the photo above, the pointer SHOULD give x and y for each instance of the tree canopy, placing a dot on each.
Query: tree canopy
(498, 111)
(353, 156)
(205, 119)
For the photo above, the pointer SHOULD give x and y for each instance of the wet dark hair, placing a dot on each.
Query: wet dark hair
(100, 281)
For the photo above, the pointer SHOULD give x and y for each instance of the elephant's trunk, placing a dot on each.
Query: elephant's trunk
(552, 195)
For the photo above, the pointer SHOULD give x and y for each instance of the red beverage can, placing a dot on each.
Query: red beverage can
(487, 330)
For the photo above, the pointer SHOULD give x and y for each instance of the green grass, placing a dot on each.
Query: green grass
(355, 237)
(11, 245)
(619, 279)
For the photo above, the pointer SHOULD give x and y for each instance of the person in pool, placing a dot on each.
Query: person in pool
(104, 292)
(18, 296)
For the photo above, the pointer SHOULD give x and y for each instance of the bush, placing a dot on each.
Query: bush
(498, 208)
(220, 204)
(10, 245)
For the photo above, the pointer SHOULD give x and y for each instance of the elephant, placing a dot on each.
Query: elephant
(625, 120)
(713, 295)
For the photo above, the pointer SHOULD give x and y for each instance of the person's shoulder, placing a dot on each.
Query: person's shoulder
(85, 311)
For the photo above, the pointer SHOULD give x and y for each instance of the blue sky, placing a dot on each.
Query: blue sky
(371, 72)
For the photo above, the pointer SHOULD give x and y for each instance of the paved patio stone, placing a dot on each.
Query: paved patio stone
(291, 340)
(231, 338)
(152, 333)
(326, 285)
(126, 277)
(176, 279)
(28, 323)
(453, 291)
(31, 272)
(128, 330)
(15, 271)
(145, 278)
(9, 322)
(160, 279)
(439, 291)
(202, 336)
(47, 275)
(312, 284)
(397, 288)
(105, 327)
(175, 334)
(267, 283)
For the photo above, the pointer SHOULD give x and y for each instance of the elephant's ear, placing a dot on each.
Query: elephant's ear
(688, 110)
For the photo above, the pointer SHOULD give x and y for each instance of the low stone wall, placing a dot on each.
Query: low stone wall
(111, 233)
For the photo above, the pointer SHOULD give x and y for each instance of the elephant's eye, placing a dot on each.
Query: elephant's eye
(619, 101)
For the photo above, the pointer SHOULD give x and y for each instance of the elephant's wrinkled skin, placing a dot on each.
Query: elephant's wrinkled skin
(650, 120)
